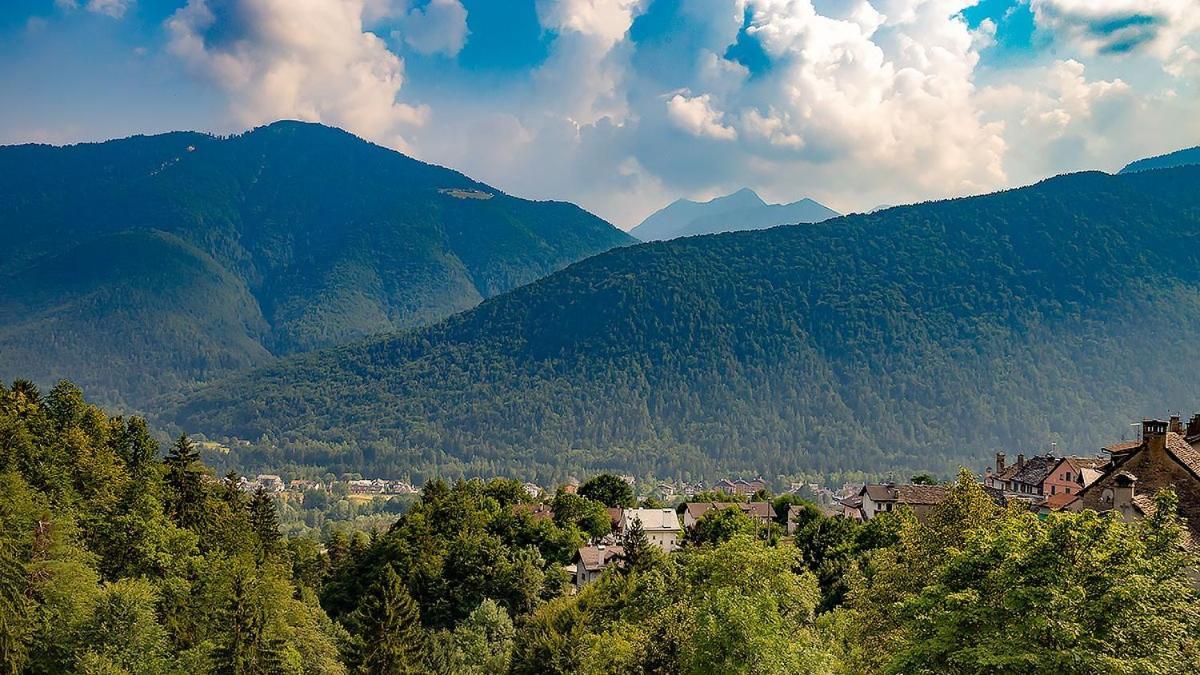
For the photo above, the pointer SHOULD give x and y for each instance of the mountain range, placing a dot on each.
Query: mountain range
(742, 210)
(915, 338)
(145, 265)
(1186, 157)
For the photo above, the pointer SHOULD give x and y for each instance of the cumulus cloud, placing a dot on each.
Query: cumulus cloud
(304, 59)
(854, 103)
(1157, 27)
(439, 27)
(696, 116)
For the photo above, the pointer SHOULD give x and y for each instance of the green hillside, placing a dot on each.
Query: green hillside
(914, 338)
(174, 258)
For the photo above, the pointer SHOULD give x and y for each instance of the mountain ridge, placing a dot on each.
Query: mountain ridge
(740, 210)
(332, 238)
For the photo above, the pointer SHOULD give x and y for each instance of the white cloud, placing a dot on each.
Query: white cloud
(1157, 27)
(606, 20)
(864, 102)
(439, 27)
(303, 59)
(696, 116)
(114, 8)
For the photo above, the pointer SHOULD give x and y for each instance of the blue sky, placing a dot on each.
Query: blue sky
(625, 105)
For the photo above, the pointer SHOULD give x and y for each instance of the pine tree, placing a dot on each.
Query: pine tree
(135, 446)
(263, 519)
(246, 649)
(232, 493)
(14, 611)
(638, 549)
(389, 639)
(185, 481)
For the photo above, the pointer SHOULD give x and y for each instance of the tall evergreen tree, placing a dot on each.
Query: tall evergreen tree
(388, 637)
(638, 550)
(263, 519)
(134, 445)
(14, 612)
(246, 650)
(185, 481)
(232, 494)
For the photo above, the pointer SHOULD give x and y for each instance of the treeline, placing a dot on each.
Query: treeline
(919, 338)
(116, 558)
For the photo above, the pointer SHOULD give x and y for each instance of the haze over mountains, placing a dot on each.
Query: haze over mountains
(918, 337)
(143, 265)
(742, 210)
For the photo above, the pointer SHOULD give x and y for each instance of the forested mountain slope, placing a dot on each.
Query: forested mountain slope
(173, 258)
(917, 337)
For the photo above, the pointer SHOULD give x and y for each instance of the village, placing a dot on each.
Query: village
(1122, 478)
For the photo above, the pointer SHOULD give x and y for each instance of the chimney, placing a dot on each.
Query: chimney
(1175, 426)
(1020, 460)
(1193, 427)
(1154, 435)
(1123, 486)
(1000, 460)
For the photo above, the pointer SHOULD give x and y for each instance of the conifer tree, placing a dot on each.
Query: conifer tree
(184, 479)
(233, 489)
(638, 549)
(388, 637)
(246, 649)
(263, 519)
(14, 611)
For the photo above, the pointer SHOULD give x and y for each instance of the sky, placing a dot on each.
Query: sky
(623, 106)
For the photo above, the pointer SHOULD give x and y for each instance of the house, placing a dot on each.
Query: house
(852, 507)
(591, 561)
(660, 525)
(533, 490)
(536, 511)
(799, 513)
(761, 512)
(1025, 478)
(887, 497)
(570, 487)
(270, 482)
(363, 486)
(1070, 475)
(1167, 456)
(741, 487)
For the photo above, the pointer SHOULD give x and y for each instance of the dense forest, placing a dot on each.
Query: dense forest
(142, 265)
(915, 338)
(118, 558)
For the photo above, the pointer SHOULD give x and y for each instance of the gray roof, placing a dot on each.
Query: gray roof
(653, 520)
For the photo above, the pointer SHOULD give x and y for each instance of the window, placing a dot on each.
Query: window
(1068, 475)
(1068, 490)
(1053, 489)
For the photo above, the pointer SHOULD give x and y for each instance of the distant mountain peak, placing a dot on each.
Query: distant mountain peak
(1185, 157)
(740, 210)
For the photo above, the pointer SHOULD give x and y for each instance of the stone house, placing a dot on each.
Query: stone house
(886, 497)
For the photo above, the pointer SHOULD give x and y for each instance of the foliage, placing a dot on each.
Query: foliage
(608, 489)
(974, 589)
(114, 562)
(913, 339)
(457, 547)
(388, 637)
(720, 525)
